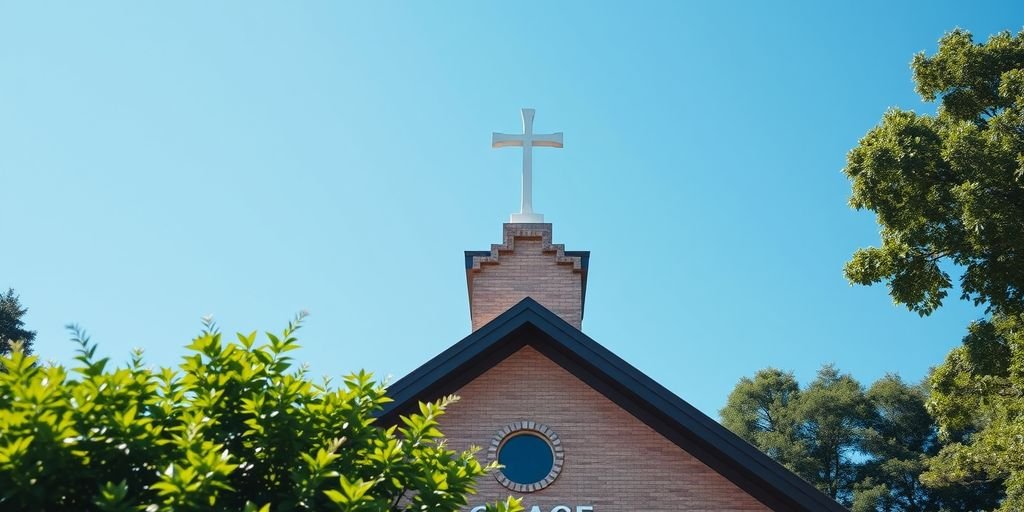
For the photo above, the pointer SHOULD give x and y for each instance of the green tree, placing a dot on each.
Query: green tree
(762, 411)
(978, 399)
(12, 327)
(833, 412)
(236, 427)
(948, 186)
(948, 193)
(866, 449)
(814, 432)
(900, 438)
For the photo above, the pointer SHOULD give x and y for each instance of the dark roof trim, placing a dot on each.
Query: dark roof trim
(584, 257)
(471, 254)
(529, 323)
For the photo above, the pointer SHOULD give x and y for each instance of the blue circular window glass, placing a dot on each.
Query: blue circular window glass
(527, 459)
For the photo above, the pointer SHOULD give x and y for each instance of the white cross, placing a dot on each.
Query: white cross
(527, 140)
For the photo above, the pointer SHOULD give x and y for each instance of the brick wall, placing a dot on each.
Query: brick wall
(526, 264)
(613, 461)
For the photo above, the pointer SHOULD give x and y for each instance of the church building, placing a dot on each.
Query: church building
(576, 428)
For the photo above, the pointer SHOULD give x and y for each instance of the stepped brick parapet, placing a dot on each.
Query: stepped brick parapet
(526, 264)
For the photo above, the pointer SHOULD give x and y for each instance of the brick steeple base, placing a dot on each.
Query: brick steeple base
(526, 264)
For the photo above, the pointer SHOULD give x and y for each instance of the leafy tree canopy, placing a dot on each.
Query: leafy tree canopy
(813, 432)
(950, 188)
(12, 328)
(897, 443)
(978, 400)
(867, 449)
(235, 427)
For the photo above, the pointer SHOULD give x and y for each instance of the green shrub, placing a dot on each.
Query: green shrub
(235, 427)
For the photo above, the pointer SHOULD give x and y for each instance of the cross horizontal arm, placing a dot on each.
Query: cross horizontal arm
(504, 140)
(546, 140)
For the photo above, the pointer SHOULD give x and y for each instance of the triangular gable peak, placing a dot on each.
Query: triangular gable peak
(621, 441)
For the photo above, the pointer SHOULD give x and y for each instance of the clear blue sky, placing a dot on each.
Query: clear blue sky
(159, 162)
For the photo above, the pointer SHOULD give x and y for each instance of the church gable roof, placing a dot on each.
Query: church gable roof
(529, 323)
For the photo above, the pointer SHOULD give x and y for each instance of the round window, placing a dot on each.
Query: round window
(530, 455)
(526, 458)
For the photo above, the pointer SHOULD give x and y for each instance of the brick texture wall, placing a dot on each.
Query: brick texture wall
(526, 264)
(613, 461)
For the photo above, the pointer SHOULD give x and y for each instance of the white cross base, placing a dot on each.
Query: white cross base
(526, 218)
(527, 140)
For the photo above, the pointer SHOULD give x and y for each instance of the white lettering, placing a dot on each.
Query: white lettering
(561, 508)
(536, 508)
(479, 509)
(585, 508)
